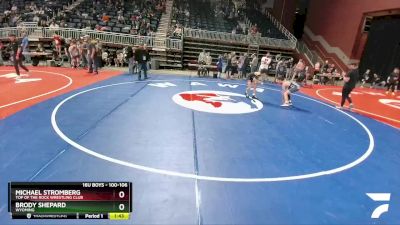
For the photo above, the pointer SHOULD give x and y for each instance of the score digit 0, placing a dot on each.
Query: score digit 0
(121, 207)
(121, 194)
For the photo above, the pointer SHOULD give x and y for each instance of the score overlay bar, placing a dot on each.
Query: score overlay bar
(70, 200)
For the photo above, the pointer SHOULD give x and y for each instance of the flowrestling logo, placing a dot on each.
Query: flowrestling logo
(220, 102)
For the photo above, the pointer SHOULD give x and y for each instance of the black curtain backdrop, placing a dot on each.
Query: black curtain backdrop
(382, 51)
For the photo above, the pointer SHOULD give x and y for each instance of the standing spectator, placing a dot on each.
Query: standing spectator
(58, 44)
(264, 66)
(67, 43)
(224, 62)
(245, 65)
(1, 53)
(254, 63)
(131, 59)
(25, 47)
(17, 55)
(228, 68)
(142, 57)
(350, 80)
(83, 50)
(91, 56)
(234, 65)
(74, 53)
(99, 53)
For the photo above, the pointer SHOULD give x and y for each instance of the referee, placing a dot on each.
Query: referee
(16, 47)
(350, 80)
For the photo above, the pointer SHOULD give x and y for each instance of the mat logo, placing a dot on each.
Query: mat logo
(379, 197)
(220, 102)
(391, 102)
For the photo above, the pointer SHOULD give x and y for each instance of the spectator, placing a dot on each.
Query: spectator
(92, 57)
(131, 59)
(53, 25)
(57, 43)
(202, 57)
(121, 18)
(25, 47)
(254, 63)
(1, 53)
(14, 8)
(104, 57)
(265, 62)
(234, 65)
(228, 67)
(119, 60)
(220, 63)
(245, 66)
(74, 53)
(83, 47)
(142, 57)
(36, 18)
(208, 62)
(105, 18)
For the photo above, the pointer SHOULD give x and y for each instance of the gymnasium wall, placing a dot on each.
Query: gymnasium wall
(284, 11)
(335, 25)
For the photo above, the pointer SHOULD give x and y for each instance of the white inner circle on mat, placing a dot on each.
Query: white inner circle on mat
(221, 102)
(91, 152)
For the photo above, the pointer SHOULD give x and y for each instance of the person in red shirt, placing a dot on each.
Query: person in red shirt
(58, 43)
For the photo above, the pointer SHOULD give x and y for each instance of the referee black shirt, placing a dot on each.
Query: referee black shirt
(353, 75)
(14, 47)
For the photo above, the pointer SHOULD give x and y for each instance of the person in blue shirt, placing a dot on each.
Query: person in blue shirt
(25, 47)
(220, 65)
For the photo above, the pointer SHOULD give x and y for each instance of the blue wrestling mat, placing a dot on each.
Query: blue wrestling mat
(197, 151)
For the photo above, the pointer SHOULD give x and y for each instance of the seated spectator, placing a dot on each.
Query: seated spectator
(40, 48)
(36, 18)
(14, 8)
(101, 28)
(178, 31)
(119, 61)
(121, 18)
(53, 25)
(105, 58)
(32, 7)
(105, 18)
(85, 15)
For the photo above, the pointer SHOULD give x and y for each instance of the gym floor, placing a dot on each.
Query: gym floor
(197, 151)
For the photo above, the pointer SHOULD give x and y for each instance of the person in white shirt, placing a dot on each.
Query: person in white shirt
(264, 66)
(36, 19)
(53, 26)
(14, 8)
